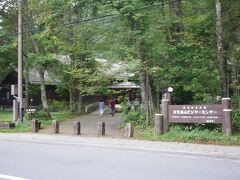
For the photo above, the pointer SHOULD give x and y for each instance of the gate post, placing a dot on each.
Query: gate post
(164, 111)
(227, 114)
(158, 124)
(128, 130)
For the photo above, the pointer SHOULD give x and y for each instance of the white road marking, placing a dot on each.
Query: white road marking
(11, 177)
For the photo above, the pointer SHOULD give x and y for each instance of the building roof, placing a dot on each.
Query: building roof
(124, 85)
(118, 70)
(34, 78)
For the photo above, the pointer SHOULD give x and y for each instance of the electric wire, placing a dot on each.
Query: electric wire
(112, 15)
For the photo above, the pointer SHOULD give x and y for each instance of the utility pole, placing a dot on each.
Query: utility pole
(20, 62)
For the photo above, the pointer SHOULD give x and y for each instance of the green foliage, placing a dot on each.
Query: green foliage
(5, 116)
(41, 61)
(62, 91)
(133, 113)
(236, 121)
(89, 80)
(136, 117)
(58, 106)
(33, 90)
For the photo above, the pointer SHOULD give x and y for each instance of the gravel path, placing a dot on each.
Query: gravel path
(89, 125)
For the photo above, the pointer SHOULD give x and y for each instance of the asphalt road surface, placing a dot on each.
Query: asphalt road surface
(45, 161)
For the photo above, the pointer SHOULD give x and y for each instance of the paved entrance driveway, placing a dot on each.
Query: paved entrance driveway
(89, 125)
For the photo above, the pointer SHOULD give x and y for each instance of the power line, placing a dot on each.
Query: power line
(92, 19)
(103, 16)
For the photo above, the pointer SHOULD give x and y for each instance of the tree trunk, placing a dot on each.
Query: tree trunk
(158, 100)
(40, 71)
(79, 102)
(147, 86)
(135, 25)
(142, 79)
(72, 99)
(44, 95)
(176, 28)
(151, 101)
(222, 64)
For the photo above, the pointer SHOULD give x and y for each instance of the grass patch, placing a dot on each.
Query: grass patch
(59, 116)
(179, 134)
(7, 117)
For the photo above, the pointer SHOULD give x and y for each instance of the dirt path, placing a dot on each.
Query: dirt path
(89, 125)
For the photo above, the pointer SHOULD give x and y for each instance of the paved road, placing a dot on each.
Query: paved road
(38, 159)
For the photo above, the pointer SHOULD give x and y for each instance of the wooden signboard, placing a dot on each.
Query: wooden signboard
(195, 114)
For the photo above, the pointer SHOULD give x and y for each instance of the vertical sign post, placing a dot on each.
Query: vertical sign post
(20, 62)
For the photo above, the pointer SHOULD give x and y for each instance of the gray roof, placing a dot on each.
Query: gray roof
(34, 78)
(124, 85)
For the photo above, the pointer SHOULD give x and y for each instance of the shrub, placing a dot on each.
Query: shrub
(56, 106)
(137, 117)
(134, 114)
(236, 120)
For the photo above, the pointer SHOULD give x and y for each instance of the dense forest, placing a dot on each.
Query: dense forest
(190, 45)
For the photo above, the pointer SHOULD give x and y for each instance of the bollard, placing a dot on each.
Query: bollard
(158, 124)
(227, 119)
(55, 127)
(77, 127)
(101, 129)
(164, 111)
(35, 126)
(128, 130)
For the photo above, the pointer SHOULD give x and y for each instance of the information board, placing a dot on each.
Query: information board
(195, 113)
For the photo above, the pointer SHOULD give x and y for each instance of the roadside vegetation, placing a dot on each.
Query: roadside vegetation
(60, 116)
(191, 133)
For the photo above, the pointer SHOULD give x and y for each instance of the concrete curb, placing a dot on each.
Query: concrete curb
(226, 152)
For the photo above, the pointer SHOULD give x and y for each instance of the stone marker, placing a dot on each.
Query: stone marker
(35, 126)
(158, 123)
(55, 127)
(77, 127)
(128, 130)
(101, 129)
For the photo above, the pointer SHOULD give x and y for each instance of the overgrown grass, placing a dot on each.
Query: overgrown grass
(24, 127)
(5, 116)
(179, 134)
